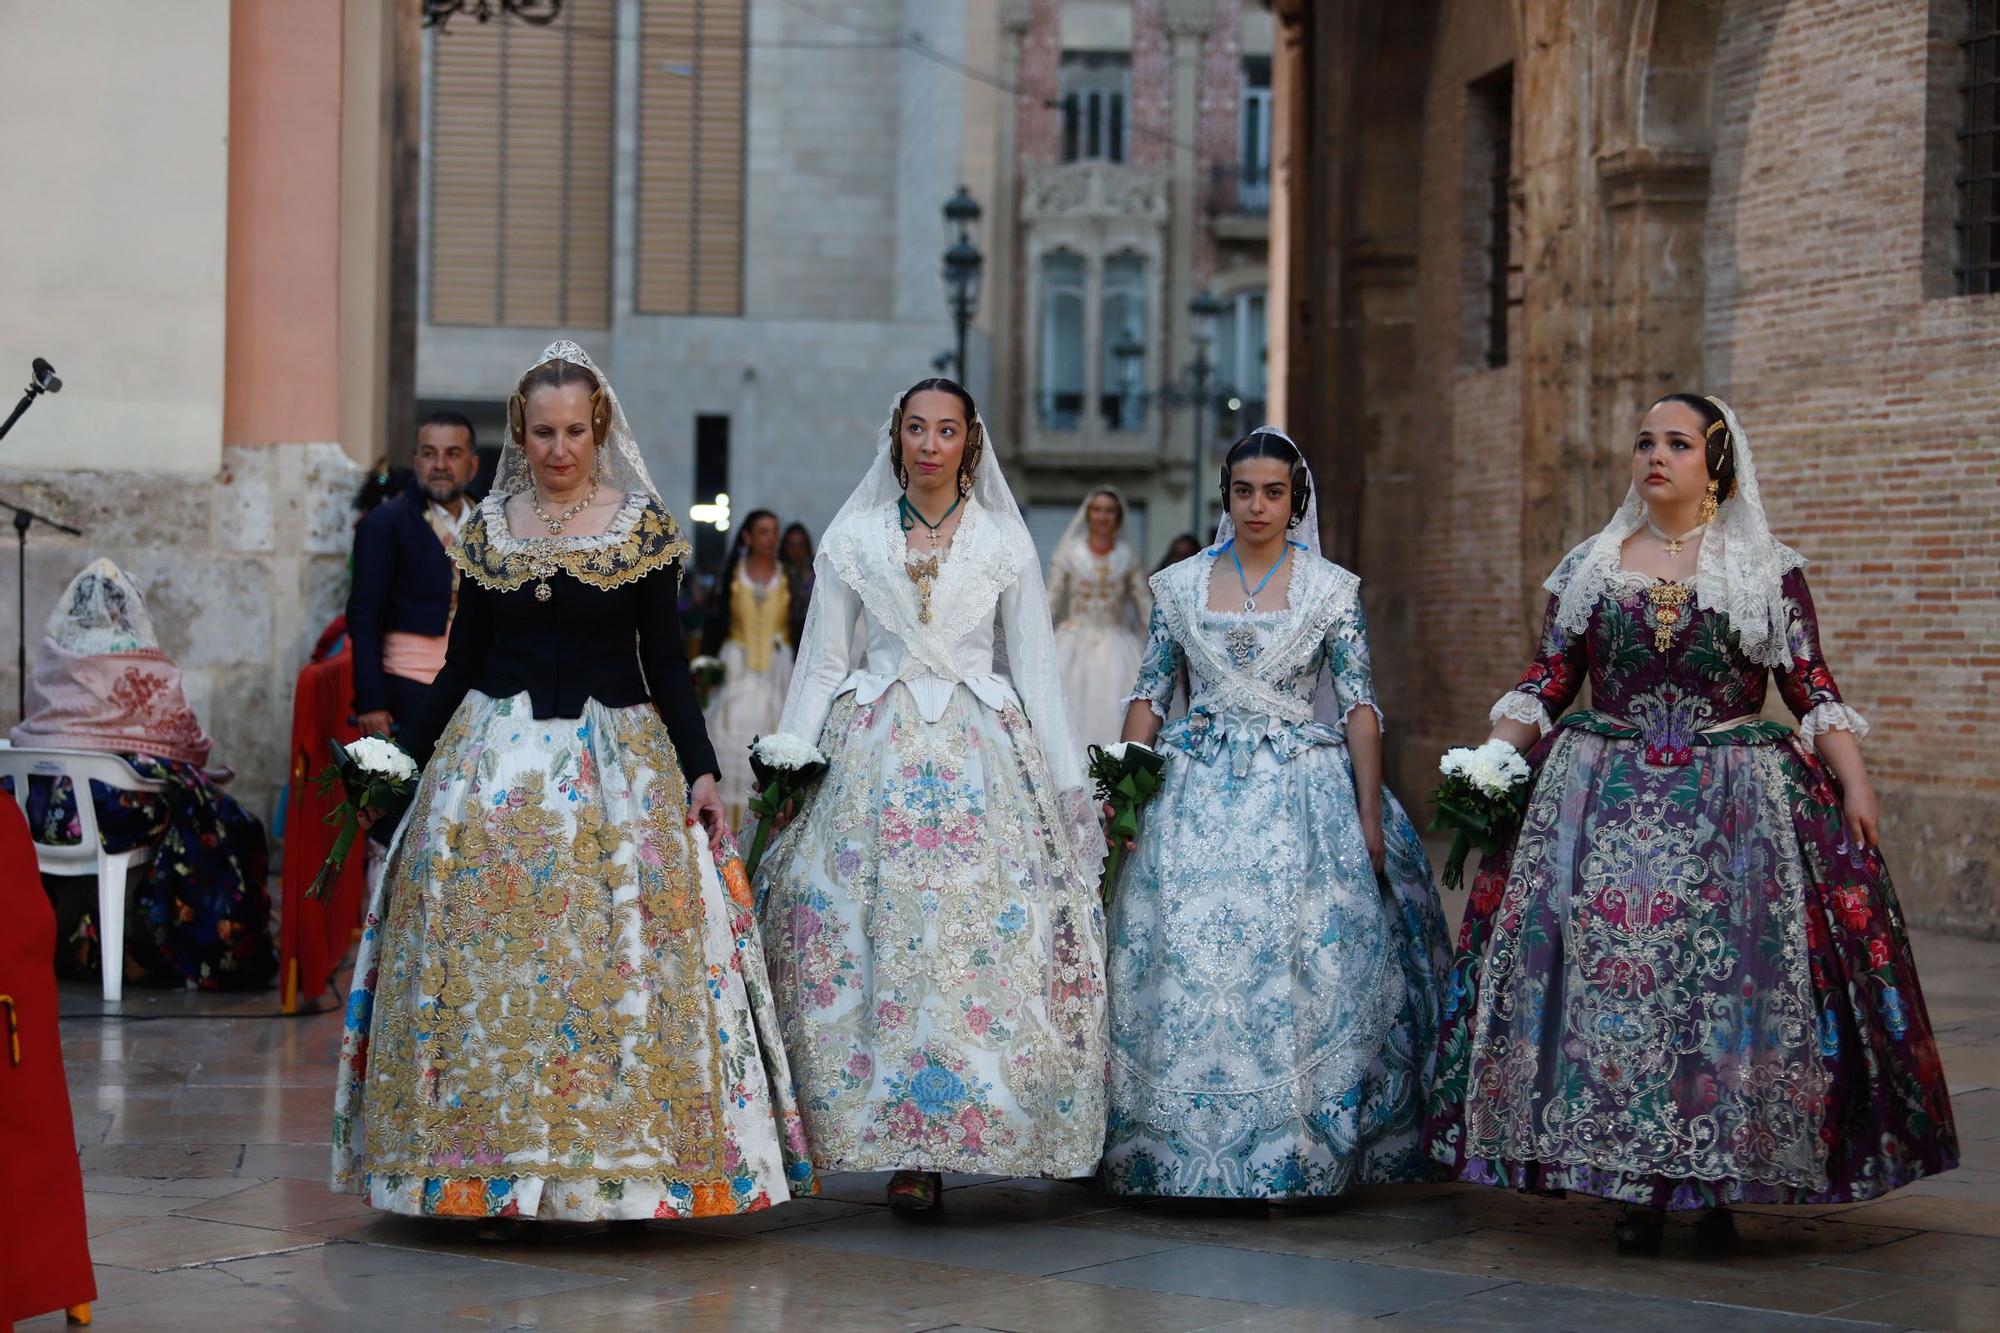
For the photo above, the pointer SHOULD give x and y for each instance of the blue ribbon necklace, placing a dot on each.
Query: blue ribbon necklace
(1250, 593)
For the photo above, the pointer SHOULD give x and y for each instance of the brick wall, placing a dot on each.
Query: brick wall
(1873, 406)
(1440, 531)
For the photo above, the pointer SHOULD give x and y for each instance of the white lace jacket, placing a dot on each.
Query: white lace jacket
(864, 599)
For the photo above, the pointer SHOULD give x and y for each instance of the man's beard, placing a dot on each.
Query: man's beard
(443, 492)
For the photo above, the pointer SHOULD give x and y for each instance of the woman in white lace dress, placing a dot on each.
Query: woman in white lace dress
(935, 937)
(1099, 602)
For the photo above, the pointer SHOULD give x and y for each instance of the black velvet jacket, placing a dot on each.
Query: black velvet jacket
(608, 627)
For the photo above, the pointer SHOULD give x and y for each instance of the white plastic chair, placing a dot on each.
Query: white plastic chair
(86, 856)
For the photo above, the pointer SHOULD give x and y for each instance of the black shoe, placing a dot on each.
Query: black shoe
(1715, 1231)
(1639, 1229)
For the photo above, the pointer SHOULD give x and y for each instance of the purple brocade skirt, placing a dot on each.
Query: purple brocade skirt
(1680, 985)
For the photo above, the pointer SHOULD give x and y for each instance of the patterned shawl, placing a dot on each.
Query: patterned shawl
(100, 682)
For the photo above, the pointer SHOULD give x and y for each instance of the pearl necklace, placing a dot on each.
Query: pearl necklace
(556, 524)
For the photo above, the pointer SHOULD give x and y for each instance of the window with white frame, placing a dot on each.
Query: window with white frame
(1060, 392)
(1096, 93)
(1121, 325)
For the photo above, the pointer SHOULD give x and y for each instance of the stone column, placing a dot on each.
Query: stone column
(1188, 24)
(1559, 482)
(1003, 289)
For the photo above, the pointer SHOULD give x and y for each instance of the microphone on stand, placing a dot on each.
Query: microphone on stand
(45, 381)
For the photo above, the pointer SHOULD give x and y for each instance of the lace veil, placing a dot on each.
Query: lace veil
(1079, 523)
(623, 468)
(1307, 531)
(1740, 571)
(102, 612)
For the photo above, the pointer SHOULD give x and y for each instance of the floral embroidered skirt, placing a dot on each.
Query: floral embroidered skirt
(746, 705)
(938, 962)
(1682, 987)
(559, 1011)
(1273, 1013)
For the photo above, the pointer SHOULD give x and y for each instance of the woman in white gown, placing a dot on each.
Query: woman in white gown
(932, 918)
(1099, 602)
(751, 634)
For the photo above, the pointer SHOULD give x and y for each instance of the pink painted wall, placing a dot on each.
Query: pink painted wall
(282, 374)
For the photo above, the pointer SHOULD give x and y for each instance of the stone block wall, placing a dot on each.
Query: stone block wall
(241, 571)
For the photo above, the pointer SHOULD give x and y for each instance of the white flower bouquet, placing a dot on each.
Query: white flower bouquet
(1127, 775)
(375, 773)
(784, 766)
(1480, 801)
(708, 673)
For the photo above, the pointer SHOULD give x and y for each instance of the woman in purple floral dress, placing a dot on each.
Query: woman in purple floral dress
(1686, 983)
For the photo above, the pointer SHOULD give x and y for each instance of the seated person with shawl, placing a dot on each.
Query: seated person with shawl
(201, 913)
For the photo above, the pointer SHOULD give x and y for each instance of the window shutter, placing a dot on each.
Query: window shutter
(691, 139)
(521, 171)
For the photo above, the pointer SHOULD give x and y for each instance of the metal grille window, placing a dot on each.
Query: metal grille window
(691, 144)
(1979, 154)
(1095, 86)
(1491, 126)
(520, 188)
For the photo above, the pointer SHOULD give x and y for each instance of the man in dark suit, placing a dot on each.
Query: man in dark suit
(399, 610)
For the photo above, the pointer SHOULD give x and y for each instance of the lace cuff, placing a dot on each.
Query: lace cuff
(1381, 721)
(1160, 710)
(1083, 835)
(1831, 716)
(1520, 706)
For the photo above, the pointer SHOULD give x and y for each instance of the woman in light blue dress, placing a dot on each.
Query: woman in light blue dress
(1276, 941)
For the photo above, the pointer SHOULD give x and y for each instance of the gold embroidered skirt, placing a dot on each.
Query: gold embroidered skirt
(559, 1010)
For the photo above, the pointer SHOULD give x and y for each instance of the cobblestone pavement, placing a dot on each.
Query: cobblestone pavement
(204, 1125)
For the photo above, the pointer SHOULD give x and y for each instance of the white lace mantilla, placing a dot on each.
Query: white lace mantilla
(1739, 572)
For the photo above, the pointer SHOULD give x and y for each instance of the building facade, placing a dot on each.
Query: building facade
(198, 240)
(1504, 229)
(1132, 174)
(735, 205)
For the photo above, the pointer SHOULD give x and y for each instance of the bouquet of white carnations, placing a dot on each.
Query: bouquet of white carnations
(1480, 801)
(708, 673)
(784, 766)
(1126, 775)
(375, 773)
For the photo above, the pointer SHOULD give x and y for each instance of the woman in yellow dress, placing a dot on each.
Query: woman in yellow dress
(751, 634)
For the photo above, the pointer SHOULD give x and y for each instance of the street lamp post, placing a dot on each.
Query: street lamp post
(1195, 387)
(1201, 372)
(962, 264)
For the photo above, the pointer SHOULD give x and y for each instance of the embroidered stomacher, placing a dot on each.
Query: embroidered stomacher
(641, 541)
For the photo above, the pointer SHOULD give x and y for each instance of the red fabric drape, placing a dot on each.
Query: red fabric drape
(44, 1258)
(315, 935)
